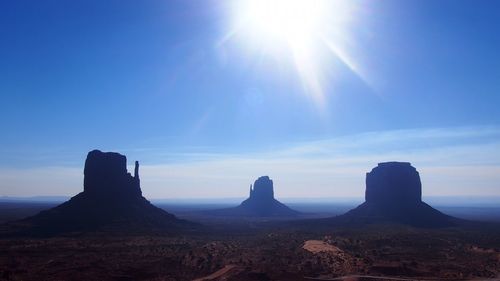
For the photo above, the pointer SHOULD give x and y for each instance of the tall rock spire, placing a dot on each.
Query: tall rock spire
(136, 170)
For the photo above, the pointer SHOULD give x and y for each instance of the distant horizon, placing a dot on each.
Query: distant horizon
(442, 200)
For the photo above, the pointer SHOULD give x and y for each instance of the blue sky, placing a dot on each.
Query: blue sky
(157, 81)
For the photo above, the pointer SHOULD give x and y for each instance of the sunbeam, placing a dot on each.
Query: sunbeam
(299, 29)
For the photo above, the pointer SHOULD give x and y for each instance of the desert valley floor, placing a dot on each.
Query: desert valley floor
(259, 250)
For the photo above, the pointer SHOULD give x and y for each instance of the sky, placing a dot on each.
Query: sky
(208, 99)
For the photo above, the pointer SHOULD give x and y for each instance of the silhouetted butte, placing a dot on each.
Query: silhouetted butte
(111, 201)
(260, 203)
(394, 194)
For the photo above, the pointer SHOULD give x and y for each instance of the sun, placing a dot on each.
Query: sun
(293, 21)
(298, 29)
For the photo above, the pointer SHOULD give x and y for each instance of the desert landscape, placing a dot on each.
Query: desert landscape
(385, 252)
(249, 140)
(133, 240)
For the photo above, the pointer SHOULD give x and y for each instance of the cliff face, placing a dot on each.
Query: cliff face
(393, 183)
(111, 201)
(262, 190)
(105, 175)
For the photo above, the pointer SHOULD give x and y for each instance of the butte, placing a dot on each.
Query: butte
(111, 201)
(260, 203)
(394, 195)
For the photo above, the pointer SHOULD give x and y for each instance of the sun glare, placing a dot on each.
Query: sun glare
(297, 28)
(289, 20)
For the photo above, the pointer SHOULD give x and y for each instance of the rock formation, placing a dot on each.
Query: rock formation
(105, 176)
(261, 203)
(111, 201)
(393, 183)
(394, 194)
